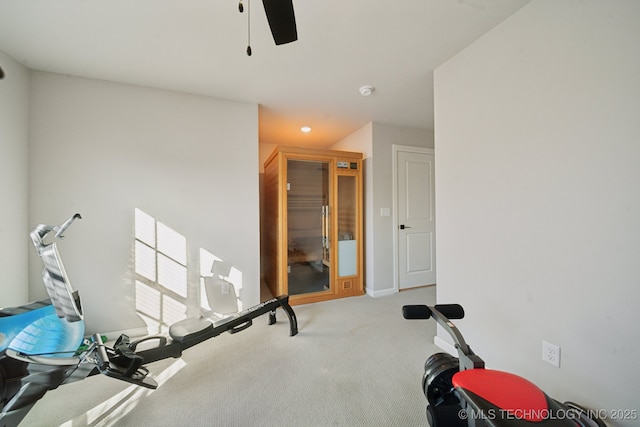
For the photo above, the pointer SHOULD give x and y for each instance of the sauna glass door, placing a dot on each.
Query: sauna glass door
(347, 226)
(308, 227)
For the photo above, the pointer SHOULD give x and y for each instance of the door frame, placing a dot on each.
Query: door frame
(395, 149)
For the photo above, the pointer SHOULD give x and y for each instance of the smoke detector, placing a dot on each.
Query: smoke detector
(366, 90)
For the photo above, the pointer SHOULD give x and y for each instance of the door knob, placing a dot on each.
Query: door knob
(402, 227)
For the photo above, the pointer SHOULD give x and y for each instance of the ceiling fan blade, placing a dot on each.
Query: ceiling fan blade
(282, 20)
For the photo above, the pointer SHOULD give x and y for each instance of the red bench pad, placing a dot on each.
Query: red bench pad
(516, 395)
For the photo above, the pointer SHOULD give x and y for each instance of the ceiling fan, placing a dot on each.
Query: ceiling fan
(281, 18)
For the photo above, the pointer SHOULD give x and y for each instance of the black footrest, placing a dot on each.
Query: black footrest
(125, 357)
(139, 377)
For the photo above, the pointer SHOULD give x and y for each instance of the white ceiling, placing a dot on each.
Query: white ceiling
(198, 46)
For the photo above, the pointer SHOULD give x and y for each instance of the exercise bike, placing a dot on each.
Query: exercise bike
(42, 344)
(462, 393)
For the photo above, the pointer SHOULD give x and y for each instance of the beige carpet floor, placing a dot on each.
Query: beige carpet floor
(355, 362)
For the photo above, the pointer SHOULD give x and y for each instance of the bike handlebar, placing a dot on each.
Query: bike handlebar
(450, 311)
(41, 231)
(61, 229)
(416, 312)
(441, 313)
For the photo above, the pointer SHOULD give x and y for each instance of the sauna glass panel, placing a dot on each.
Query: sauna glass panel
(308, 227)
(347, 225)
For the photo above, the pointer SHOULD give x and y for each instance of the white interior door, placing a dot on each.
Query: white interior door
(415, 218)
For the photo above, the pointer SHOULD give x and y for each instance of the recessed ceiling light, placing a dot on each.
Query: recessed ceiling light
(305, 129)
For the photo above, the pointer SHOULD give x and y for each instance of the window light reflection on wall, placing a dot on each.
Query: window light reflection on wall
(161, 273)
(162, 292)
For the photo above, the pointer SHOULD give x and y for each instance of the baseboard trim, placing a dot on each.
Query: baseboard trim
(382, 293)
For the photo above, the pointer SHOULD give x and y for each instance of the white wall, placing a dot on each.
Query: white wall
(104, 149)
(376, 140)
(538, 197)
(384, 137)
(360, 141)
(14, 230)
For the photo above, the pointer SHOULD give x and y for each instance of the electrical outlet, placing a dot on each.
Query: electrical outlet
(551, 353)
